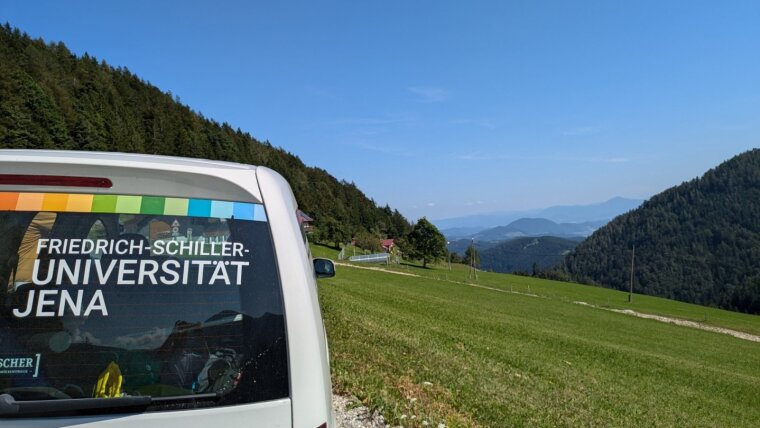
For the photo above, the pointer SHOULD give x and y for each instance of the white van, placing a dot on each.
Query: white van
(152, 291)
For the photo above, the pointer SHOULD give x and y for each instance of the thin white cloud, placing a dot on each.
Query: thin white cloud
(581, 130)
(430, 204)
(384, 149)
(429, 94)
(482, 123)
(480, 156)
(372, 121)
(474, 156)
(614, 160)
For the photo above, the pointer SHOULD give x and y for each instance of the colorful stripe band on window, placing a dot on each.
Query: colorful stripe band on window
(128, 204)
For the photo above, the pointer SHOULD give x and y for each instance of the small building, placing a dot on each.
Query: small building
(387, 244)
(305, 221)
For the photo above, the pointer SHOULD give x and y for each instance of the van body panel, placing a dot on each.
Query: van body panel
(309, 362)
(275, 414)
(309, 404)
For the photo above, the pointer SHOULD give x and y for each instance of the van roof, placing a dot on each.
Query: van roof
(108, 158)
(136, 174)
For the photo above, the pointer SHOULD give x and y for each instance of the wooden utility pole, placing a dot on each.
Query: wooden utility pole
(448, 252)
(630, 291)
(473, 272)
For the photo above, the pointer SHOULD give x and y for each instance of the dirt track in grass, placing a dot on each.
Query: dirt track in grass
(677, 321)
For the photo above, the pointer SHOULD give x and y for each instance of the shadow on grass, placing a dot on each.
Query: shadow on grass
(328, 246)
(417, 266)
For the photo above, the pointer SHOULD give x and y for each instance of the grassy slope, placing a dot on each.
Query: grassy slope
(598, 296)
(504, 359)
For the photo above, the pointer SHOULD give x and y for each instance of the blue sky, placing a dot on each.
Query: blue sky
(448, 108)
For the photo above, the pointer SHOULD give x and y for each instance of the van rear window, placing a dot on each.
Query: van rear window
(106, 296)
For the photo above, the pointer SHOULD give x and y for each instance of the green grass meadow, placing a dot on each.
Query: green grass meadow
(432, 350)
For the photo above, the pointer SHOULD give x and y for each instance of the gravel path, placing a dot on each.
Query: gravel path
(349, 414)
(684, 323)
(376, 269)
(469, 284)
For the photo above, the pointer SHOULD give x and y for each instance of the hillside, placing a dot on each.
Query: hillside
(520, 255)
(430, 346)
(51, 99)
(461, 245)
(697, 242)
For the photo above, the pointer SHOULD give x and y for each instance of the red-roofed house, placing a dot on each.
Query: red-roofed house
(387, 244)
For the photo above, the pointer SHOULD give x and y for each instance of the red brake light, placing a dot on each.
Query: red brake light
(55, 180)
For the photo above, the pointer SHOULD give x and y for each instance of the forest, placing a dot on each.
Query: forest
(698, 242)
(52, 99)
(528, 255)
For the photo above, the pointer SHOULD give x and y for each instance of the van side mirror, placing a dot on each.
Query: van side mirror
(324, 268)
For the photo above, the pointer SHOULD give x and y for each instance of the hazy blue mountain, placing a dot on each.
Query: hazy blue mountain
(482, 221)
(561, 214)
(538, 227)
(581, 213)
(461, 232)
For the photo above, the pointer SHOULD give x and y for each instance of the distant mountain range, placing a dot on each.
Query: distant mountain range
(539, 237)
(525, 227)
(560, 214)
(523, 243)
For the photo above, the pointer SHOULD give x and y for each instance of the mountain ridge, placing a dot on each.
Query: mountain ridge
(605, 210)
(530, 227)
